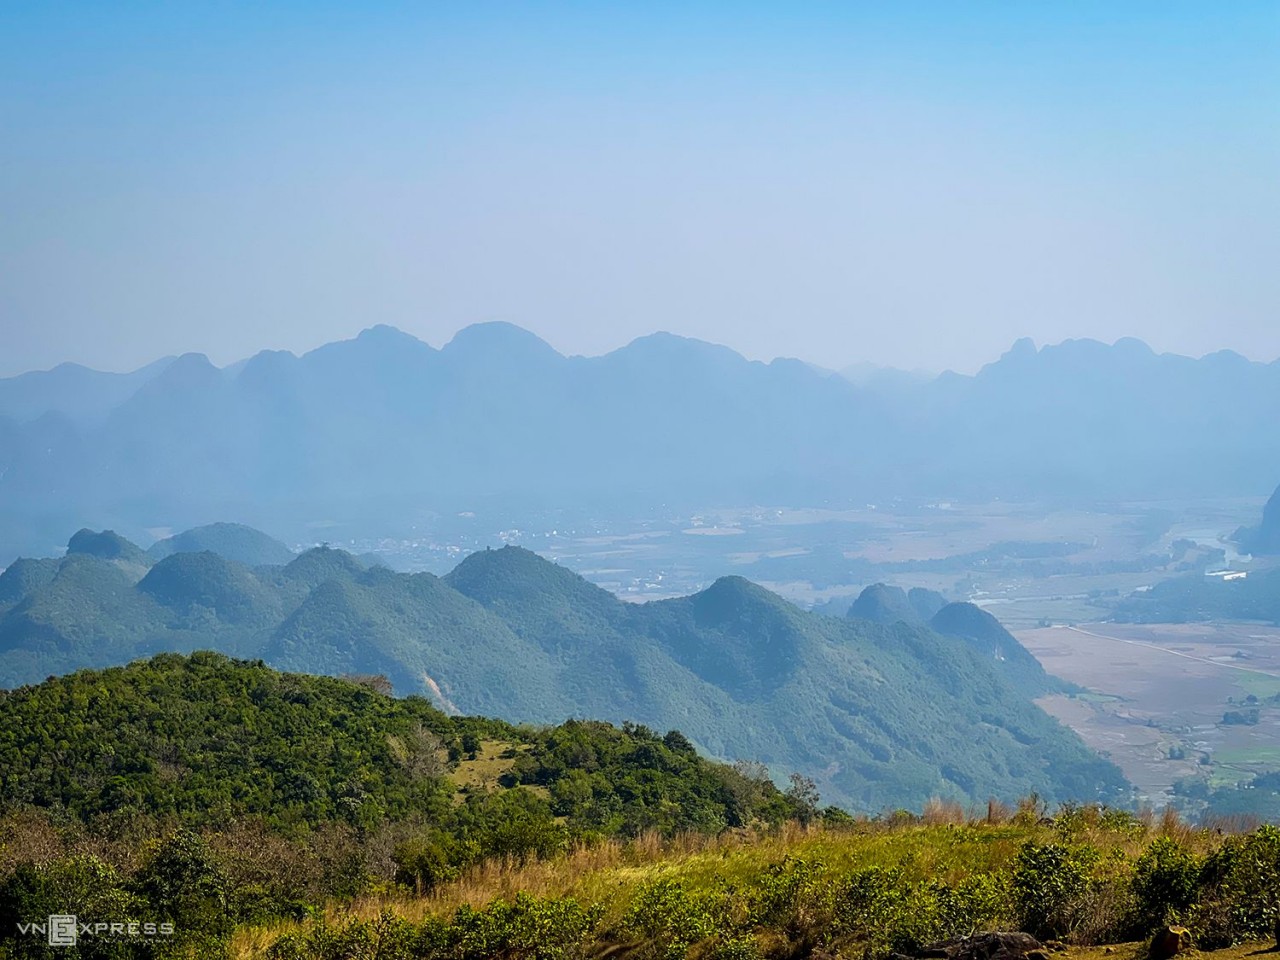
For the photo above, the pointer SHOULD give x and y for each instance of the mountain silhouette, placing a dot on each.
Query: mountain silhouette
(369, 430)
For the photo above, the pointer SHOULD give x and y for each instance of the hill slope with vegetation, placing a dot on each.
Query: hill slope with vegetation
(206, 740)
(204, 792)
(885, 604)
(1265, 537)
(1086, 877)
(880, 716)
(474, 840)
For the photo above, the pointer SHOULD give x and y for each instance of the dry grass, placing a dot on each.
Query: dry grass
(1232, 823)
(998, 812)
(939, 812)
(1175, 828)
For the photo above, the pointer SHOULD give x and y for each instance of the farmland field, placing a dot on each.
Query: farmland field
(1160, 695)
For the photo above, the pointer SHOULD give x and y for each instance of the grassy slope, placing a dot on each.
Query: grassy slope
(943, 848)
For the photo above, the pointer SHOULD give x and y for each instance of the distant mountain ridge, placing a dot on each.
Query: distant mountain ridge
(71, 390)
(377, 427)
(881, 716)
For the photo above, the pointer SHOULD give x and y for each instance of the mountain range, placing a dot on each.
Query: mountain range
(383, 429)
(881, 715)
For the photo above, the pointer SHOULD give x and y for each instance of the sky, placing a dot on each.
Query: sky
(910, 184)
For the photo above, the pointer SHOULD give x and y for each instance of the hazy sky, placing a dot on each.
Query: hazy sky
(915, 184)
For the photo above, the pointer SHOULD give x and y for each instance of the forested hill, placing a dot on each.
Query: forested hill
(217, 808)
(879, 715)
(882, 603)
(206, 740)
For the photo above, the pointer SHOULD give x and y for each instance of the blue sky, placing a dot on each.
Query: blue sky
(916, 184)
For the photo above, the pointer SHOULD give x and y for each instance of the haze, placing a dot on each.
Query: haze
(913, 186)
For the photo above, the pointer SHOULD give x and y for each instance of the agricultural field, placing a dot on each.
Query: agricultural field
(1159, 695)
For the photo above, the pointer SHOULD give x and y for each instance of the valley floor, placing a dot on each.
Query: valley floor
(1159, 694)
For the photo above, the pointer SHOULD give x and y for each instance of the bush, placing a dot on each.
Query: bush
(1051, 888)
(670, 919)
(1239, 887)
(528, 928)
(1165, 884)
(424, 863)
(386, 938)
(788, 896)
(886, 913)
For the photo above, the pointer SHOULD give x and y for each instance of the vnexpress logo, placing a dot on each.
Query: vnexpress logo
(65, 929)
(62, 929)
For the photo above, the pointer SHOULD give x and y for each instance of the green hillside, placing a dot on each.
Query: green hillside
(883, 603)
(24, 576)
(1083, 884)
(880, 716)
(206, 739)
(106, 545)
(207, 793)
(424, 636)
(989, 639)
(191, 584)
(259, 815)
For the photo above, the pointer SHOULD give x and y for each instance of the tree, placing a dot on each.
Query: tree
(803, 792)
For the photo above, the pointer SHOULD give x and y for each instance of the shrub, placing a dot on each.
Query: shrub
(386, 938)
(735, 948)
(424, 863)
(1239, 887)
(528, 928)
(1165, 884)
(787, 896)
(183, 884)
(1051, 885)
(670, 919)
(885, 913)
